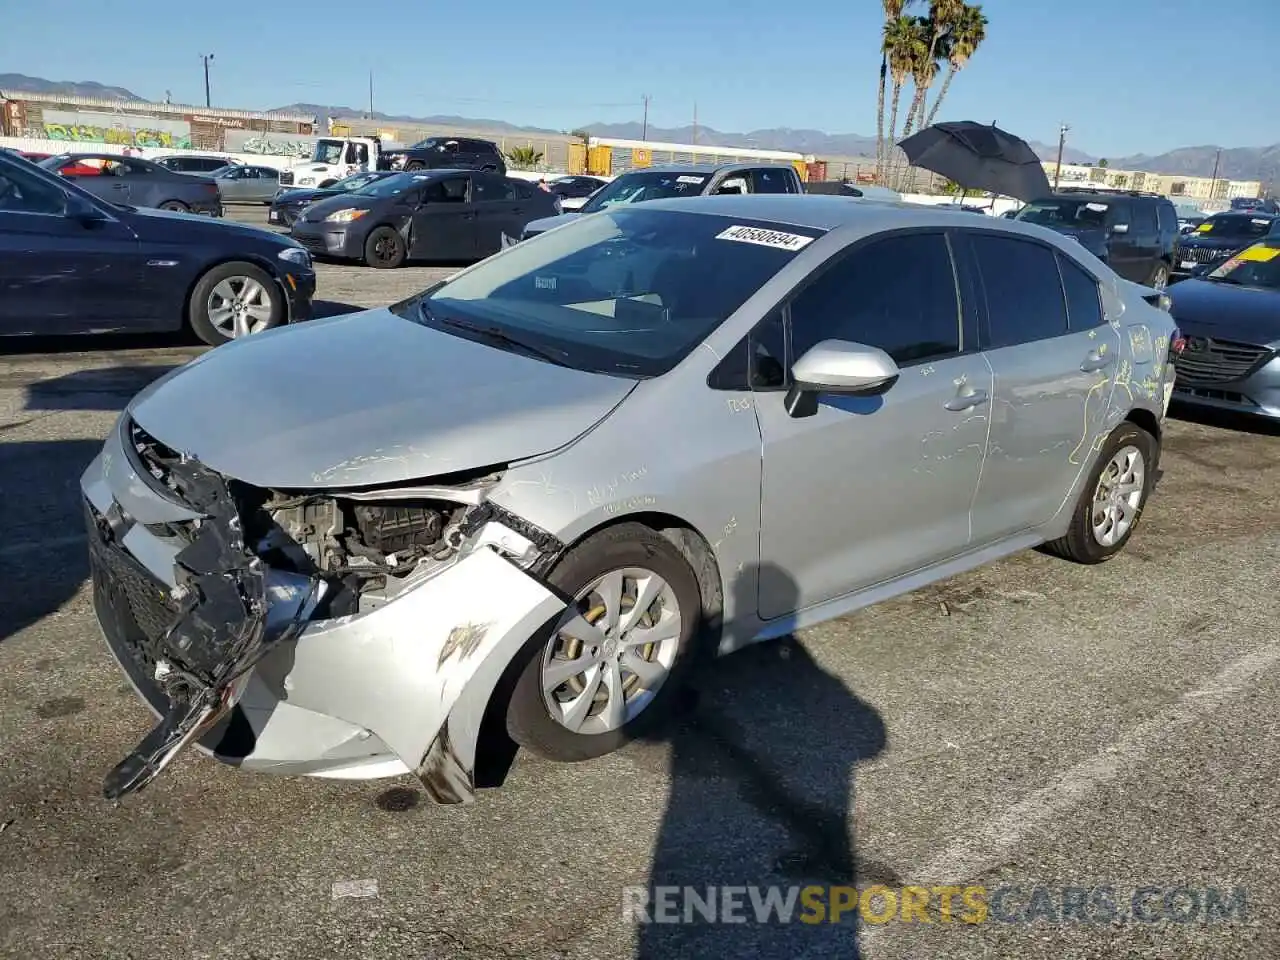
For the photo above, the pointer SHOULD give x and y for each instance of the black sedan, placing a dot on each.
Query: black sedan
(137, 182)
(1217, 238)
(71, 262)
(288, 203)
(1230, 318)
(433, 215)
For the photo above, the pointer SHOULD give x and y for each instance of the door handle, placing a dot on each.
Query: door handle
(1096, 361)
(967, 400)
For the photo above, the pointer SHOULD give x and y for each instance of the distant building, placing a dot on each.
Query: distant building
(1217, 192)
(139, 123)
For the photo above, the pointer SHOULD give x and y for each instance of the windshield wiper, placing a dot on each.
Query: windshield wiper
(496, 335)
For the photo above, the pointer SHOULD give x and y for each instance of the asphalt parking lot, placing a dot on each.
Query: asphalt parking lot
(1032, 724)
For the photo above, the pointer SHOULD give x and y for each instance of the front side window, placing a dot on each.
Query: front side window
(898, 294)
(22, 193)
(630, 292)
(1023, 291)
(771, 181)
(452, 190)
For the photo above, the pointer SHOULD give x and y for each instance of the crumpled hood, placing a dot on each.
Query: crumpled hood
(1208, 309)
(368, 399)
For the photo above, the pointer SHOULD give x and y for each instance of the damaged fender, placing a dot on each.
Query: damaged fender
(419, 672)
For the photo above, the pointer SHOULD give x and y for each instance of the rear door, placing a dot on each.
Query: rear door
(1126, 254)
(59, 275)
(444, 221)
(498, 211)
(1054, 360)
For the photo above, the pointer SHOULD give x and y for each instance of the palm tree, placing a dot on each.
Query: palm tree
(967, 34)
(923, 68)
(904, 44)
(892, 12)
(524, 158)
(942, 17)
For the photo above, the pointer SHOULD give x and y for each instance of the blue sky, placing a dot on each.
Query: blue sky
(747, 64)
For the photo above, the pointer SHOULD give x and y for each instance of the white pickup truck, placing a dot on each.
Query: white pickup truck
(333, 158)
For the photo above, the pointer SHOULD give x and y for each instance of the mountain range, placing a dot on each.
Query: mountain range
(1237, 163)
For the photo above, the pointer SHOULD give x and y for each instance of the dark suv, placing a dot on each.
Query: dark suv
(1136, 234)
(1221, 235)
(446, 153)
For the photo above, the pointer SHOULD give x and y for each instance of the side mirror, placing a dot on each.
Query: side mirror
(840, 367)
(1120, 228)
(81, 210)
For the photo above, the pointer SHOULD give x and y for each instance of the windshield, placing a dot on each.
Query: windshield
(357, 180)
(1255, 266)
(638, 186)
(327, 151)
(1235, 226)
(391, 186)
(1058, 213)
(426, 144)
(630, 292)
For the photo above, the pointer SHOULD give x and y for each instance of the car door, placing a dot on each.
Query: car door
(268, 182)
(60, 274)
(1054, 359)
(444, 221)
(499, 212)
(105, 183)
(232, 185)
(869, 488)
(1124, 249)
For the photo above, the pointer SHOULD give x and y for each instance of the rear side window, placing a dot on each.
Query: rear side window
(22, 193)
(1143, 218)
(1084, 299)
(1167, 216)
(523, 191)
(1022, 289)
(898, 294)
(771, 181)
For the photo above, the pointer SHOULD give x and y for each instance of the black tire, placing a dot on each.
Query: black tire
(327, 184)
(414, 165)
(198, 305)
(176, 206)
(1079, 544)
(1160, 274)
(529, 722)
(384, 248)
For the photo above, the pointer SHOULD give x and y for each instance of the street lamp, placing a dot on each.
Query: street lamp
(206, 57)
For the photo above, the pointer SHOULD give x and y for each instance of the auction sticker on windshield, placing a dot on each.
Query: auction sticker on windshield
(1258, 254)
(690, 179)
(765, 238)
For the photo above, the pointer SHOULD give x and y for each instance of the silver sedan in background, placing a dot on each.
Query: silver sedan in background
(246, 184)
(538, 491)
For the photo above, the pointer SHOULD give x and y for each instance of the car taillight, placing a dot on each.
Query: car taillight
(1177, 343)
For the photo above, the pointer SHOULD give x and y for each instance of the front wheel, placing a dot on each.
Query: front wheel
(177, 206)
(1159, 276)
(607, 670)
(234, 300)
(1113, 499)
(384, 248)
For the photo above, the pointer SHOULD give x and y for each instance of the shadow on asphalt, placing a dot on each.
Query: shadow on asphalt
(18, 346)
(43, 556)
(762, 774)
(101, 388)
(333, 308)
(1225, 419)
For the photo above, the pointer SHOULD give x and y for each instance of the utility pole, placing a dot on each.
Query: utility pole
(695, 122)
(1213, 186)
(370, 94)
(206, 57)
(644, 124)
(1062, 142)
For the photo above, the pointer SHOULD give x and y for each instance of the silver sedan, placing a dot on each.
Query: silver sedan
(247, 184)
(539, 490)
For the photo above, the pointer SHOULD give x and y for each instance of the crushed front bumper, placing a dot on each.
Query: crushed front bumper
(400, 689)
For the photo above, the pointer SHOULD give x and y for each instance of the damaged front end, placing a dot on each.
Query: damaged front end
(361, 607)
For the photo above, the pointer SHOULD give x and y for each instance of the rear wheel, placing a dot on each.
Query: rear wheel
(175, 205)
(607, 671)
(414, 165)
(1113, 499)
(234, 300)
(384, 248)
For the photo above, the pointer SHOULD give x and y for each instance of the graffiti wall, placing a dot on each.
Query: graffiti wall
(272, 144)
(85, 126)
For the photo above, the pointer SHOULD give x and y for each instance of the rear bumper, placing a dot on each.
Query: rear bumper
(400, 689)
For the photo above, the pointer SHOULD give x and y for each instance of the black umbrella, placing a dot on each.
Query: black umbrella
(978, 156)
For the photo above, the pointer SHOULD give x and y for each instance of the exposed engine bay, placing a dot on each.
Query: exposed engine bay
(259, 564)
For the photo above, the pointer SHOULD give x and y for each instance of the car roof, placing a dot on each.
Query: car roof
(825, 212)
(709, 168)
